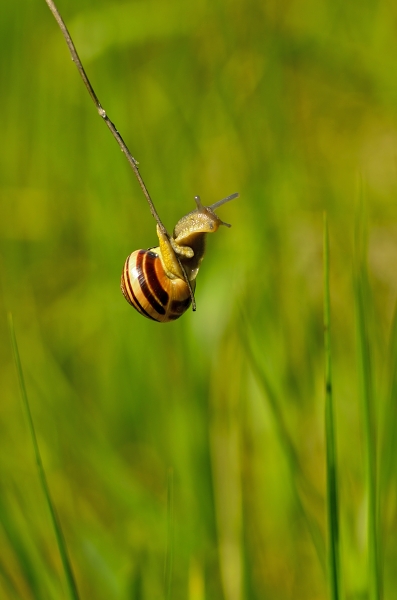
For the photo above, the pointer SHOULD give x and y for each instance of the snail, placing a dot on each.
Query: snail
(153, 281)
(158, 282)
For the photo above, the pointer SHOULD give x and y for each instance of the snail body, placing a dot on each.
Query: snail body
(153, 281)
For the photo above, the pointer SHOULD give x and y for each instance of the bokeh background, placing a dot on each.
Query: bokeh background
(294, 105)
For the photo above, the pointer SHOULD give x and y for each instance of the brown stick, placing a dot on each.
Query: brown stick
(113, 130)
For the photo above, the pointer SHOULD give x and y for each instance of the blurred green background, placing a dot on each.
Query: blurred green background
(294, 105)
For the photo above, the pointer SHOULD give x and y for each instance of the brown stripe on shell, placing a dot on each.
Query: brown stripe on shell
(155, 276)
(127, 287)
(173, 317)
(125, 282)
(179, 306)
(145, 268)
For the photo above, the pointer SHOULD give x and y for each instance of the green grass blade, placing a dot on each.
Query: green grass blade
(170, 534)
(331, 463)
(283, 433)
(368, 413)
(14, 537)
(387, 467)
(72, 587)
(299, 481)
(6, 583)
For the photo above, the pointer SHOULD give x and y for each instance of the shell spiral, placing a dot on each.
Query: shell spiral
(147, 288)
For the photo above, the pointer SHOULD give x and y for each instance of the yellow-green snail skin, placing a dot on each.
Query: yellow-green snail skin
(152, 280)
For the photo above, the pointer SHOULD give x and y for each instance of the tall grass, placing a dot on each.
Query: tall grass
(365, 367)
(63, 551)
(332, 498)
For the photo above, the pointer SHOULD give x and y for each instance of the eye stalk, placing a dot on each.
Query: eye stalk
(212, 207)
(223, 201)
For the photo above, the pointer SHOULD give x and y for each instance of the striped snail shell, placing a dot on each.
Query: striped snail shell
(147, 288)
(152, 280)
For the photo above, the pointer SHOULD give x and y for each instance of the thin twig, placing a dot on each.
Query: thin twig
(102, 113)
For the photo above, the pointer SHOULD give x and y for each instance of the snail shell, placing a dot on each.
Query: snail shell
(153, 281)
(147, 288)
